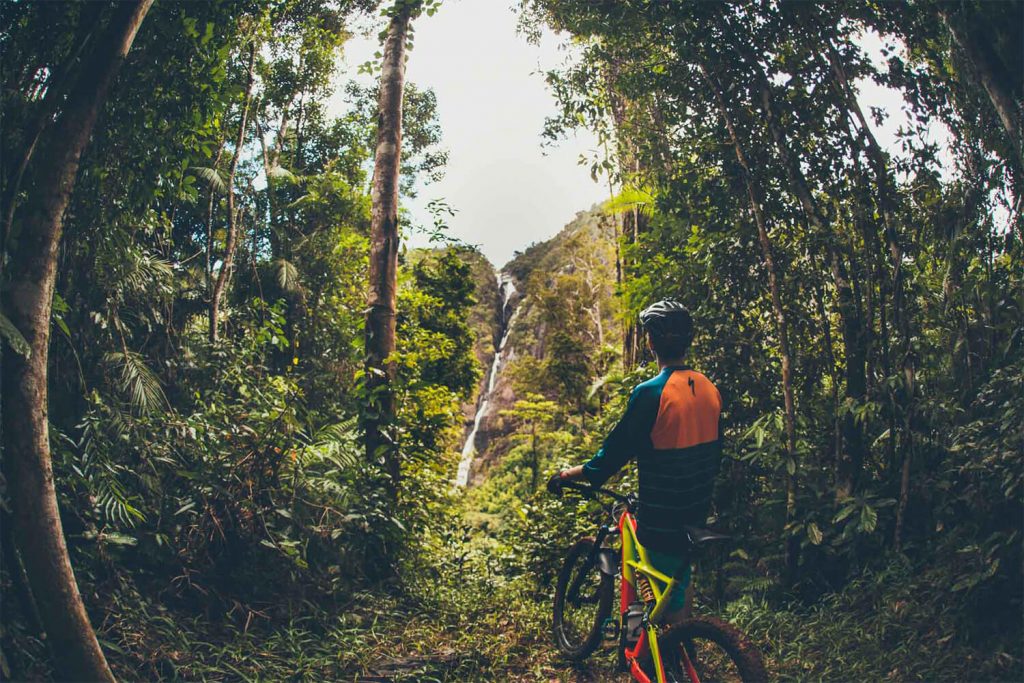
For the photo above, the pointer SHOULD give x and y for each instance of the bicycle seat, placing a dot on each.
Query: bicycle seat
(699, 536)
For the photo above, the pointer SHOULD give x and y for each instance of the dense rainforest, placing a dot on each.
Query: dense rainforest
(249, 433)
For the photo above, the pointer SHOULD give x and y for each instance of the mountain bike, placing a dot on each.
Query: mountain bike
(697, 650)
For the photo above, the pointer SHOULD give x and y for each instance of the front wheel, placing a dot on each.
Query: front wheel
(583, 601)
(718, 653)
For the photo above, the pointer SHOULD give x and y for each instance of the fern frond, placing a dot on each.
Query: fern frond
(628, 199)
(340, 443)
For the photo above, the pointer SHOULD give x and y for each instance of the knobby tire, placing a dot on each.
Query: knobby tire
(605, 592)
(744, 655)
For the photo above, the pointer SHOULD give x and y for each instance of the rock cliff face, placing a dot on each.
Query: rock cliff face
(585, 250)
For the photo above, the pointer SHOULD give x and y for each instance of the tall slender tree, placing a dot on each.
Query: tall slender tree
(754, 196)
(36, 234)
(227, 263)
(384, 242)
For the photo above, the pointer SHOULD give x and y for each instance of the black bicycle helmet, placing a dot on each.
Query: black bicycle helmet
(667, 318)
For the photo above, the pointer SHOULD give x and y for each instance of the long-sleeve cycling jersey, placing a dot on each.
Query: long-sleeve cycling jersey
(671, 426)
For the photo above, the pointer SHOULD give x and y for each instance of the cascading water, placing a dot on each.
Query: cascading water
(506, 317)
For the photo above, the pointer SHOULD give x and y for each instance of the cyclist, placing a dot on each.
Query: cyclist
(671, 425)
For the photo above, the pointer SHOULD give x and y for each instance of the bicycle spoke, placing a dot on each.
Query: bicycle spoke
(579, 611)
(711, 662)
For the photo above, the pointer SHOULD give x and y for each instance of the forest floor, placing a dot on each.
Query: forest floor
(884, 626)
(388, 639)
(473, 624)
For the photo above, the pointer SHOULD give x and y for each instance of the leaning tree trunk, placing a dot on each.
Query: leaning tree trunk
(57, 88)
(383, 276)
(991, 72)
(227, 263)
(781, 324)
(27, 303)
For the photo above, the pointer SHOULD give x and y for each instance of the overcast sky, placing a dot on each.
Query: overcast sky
(507, 189)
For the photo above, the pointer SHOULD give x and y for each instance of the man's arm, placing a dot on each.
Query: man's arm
(632, 433)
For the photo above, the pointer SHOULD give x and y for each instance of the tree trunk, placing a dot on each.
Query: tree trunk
(27, 303)
(209, 226)
(56, 88)
(380, 318)
(990, 70)
(853, 337)
(850, 463)
(229, 248)
(631, 227)
(887, 197)
(534, 458)
(781, 324)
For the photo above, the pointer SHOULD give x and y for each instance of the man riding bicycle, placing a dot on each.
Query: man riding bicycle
(671, 425)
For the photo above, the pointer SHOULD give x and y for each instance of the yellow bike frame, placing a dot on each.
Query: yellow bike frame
(636, 562)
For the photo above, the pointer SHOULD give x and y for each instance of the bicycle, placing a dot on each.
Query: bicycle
(697, 649)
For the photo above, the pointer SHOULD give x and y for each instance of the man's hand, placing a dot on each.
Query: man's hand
(555, 484)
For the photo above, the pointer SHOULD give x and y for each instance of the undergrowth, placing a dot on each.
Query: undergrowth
(475, 625)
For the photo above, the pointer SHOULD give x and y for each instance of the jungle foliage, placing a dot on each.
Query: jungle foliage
(858, 290)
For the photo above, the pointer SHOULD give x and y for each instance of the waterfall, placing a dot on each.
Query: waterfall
(506, 292)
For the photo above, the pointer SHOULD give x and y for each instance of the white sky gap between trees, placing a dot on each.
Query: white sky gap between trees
(509, 191)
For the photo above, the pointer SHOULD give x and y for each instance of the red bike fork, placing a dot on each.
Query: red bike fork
(633, 657)
(688, 666)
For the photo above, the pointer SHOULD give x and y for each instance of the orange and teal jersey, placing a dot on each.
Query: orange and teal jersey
(671, 426)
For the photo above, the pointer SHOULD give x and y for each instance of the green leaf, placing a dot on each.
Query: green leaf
(13, 337)
(211, 176)
(138, 382)
(844, 513)
(281, 173)
(868, 519)
(117, 538)
(814, 533)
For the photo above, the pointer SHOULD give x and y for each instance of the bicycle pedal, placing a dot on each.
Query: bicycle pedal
(610, 629)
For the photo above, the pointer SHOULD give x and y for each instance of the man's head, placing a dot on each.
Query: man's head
(669, 328)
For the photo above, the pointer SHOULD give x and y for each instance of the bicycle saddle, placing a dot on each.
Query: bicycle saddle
(699, 536)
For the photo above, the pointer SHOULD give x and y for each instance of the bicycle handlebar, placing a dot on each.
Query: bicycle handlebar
(588, 489)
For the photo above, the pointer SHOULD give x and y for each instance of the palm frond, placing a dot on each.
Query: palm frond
(288, 276)
(301, 201)
(281, 173)
(601, 382)
(211, 176)
(146, 272)
(138, 383)
(116, 506)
